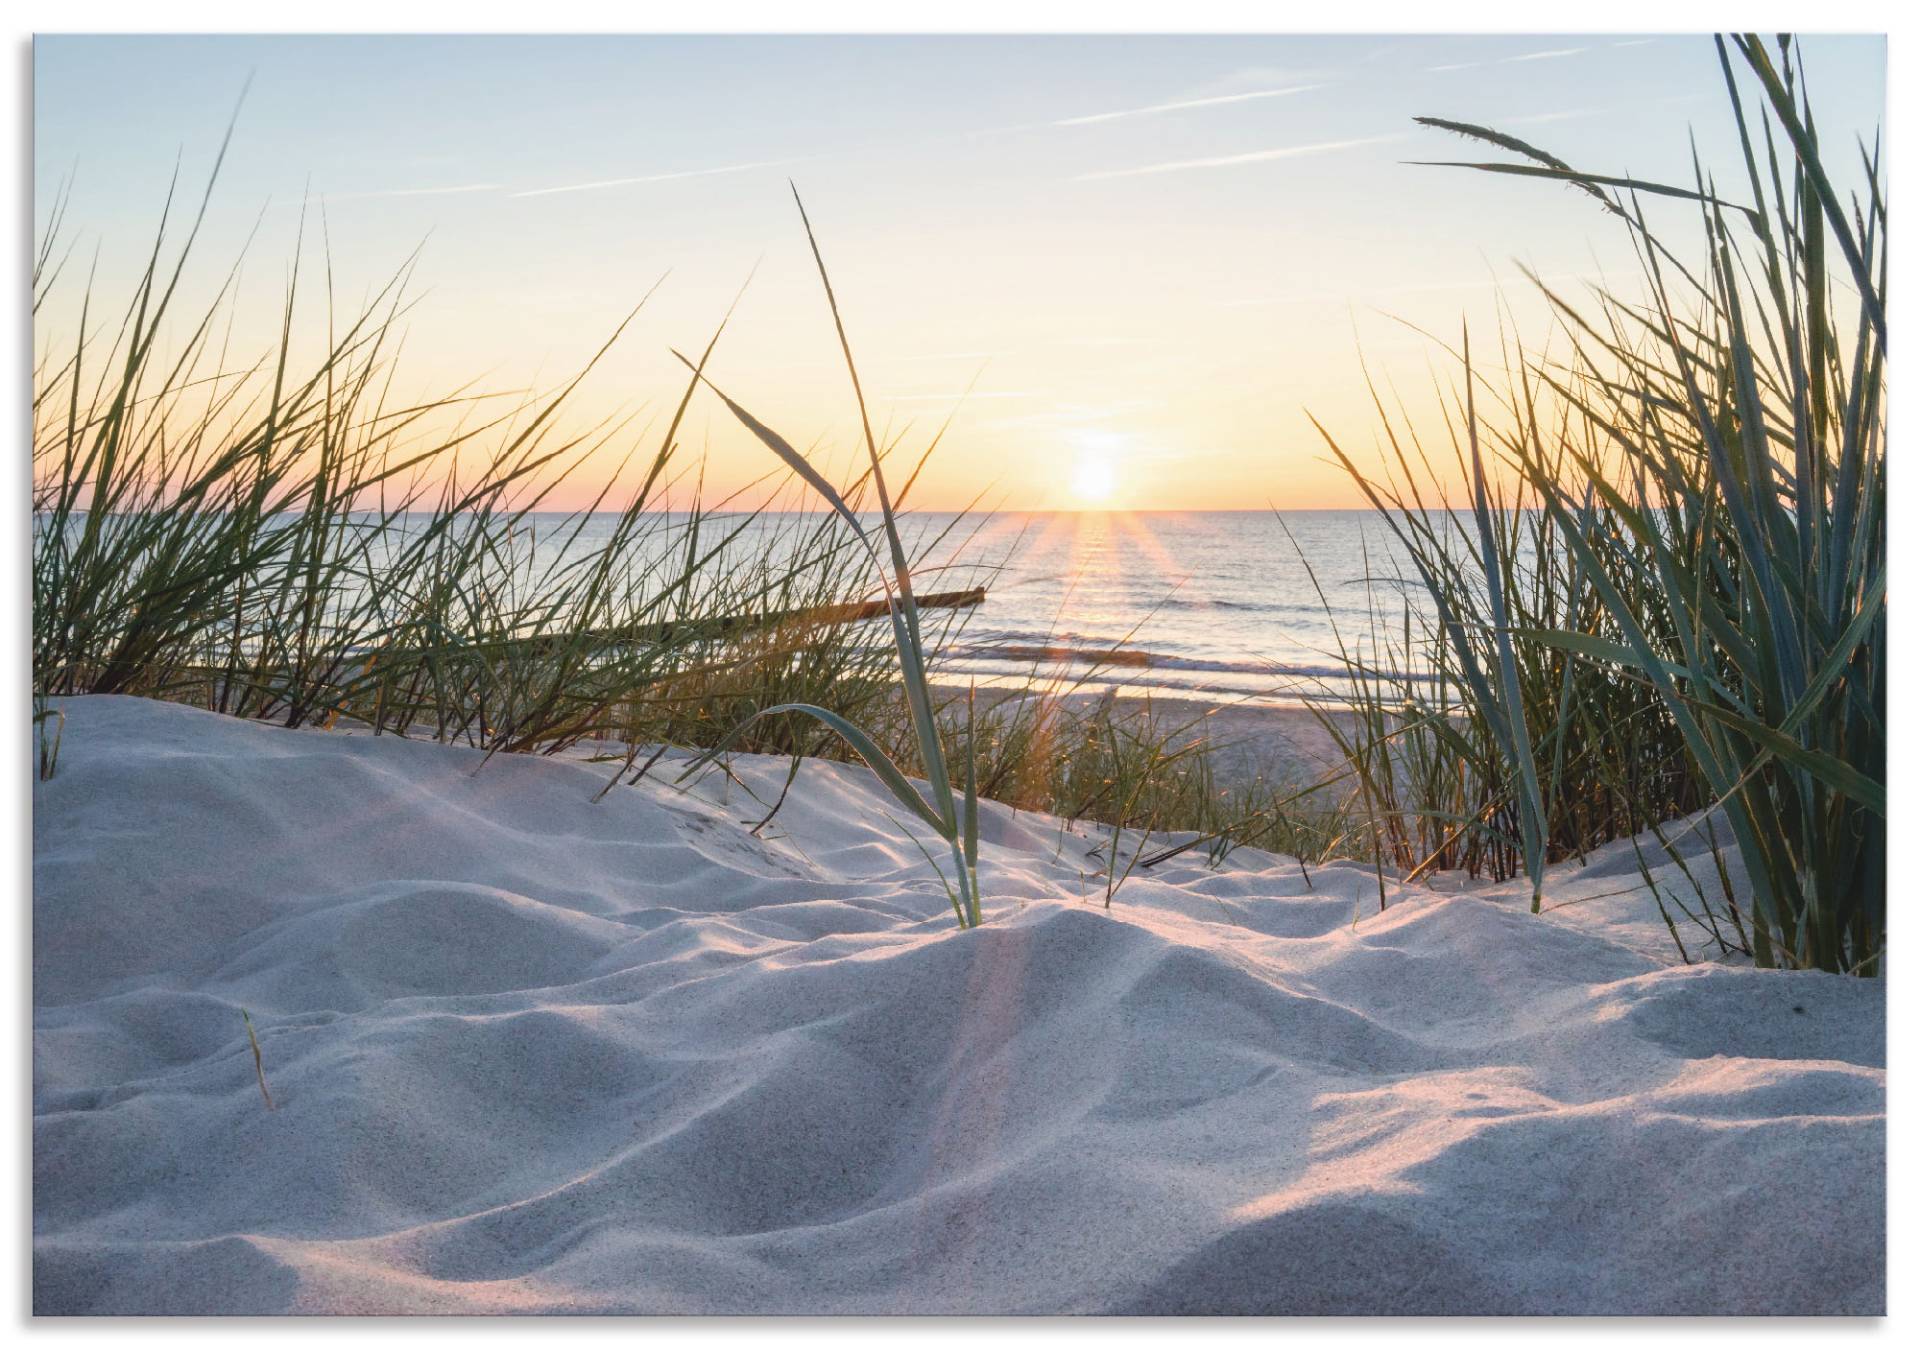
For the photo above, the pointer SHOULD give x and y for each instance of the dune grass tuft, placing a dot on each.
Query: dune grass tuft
(1683, 586)
(281, 537)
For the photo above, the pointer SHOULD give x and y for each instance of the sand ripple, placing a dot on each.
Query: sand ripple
(533, 1053)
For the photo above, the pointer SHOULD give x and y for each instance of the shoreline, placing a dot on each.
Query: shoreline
(1247, 742)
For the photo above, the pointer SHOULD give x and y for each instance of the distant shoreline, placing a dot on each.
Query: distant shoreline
(1247, 742)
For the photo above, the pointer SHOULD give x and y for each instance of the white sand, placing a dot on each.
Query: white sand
(1283, 744)
(533, 1053)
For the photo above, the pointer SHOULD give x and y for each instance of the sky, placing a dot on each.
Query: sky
(1127, 268)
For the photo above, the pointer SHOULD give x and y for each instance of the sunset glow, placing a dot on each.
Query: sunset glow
(1175, 247)
(1093, 478)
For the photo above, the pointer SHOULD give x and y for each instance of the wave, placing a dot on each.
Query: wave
(1135, 658)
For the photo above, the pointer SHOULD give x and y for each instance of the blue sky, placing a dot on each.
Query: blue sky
(1150, 252)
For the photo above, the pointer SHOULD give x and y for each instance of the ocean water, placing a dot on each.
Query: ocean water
(1205, 604)
(1215, 605)
(1199, 603)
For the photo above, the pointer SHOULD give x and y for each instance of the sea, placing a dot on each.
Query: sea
(1252, 605)
(1243, 605)
(1255, 605)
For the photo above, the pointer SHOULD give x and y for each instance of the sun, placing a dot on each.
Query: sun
(1093, 477)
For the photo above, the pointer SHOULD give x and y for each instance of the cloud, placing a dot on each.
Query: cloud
(1534, 119)
(1180, 105)
(1071, 416)
(413, 192)
(1551, 54)
(1248, 79)
(651, 178)
(1231, 161)
(1541, 56)
(1491, 282)
(961, 396)
(951, 356)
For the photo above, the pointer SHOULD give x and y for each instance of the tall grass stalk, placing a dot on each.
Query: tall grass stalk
(955, 821)
(259, 1065)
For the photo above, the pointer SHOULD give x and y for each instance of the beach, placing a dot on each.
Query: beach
(1025, 687)
(1280, 744)
(532, 1049)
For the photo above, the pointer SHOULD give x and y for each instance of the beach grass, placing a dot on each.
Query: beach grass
(1662, 598)
(1679, 599)
(284, 541)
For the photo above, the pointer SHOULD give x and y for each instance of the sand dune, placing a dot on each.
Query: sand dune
(532, 1053)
